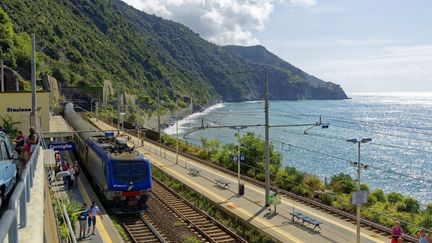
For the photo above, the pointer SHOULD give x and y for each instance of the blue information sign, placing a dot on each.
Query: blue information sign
(242, 158)
(109, 134)
(62, 146)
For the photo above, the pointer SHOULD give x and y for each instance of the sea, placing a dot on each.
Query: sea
(312, 134)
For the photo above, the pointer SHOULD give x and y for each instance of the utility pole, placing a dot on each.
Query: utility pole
(358, 189)
(2, 75)
(238, 157)
(33, 78)
(158, 120)
(118, 112)
(97, 110)
(177, 140)
(359, 166)
(267, 139)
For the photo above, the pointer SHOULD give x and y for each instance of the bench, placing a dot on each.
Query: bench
(297, 216)
(222, 182)
(194, 171)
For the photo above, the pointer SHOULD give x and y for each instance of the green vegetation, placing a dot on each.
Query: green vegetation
(381, 208)
(191, 239)
(72, 209)
(238, 226)
(82, 43)
(9, 125)
(119, 227)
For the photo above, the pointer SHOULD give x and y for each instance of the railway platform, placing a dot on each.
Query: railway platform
(81, 191)
(251, 206)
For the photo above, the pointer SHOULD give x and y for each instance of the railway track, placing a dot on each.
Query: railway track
(141, 230)
(206, 227)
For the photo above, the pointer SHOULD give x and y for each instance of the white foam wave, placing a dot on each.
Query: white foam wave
(184, 124)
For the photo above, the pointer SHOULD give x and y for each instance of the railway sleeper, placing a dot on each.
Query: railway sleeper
(145, 237)
(181, 206)
(135, 226)
(198, 217)
(209, 225)
(222, 237)
(226, 240)
(214, 232)
(200, 220)
(141, 232)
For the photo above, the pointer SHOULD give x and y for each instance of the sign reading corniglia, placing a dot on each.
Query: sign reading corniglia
(62, 146)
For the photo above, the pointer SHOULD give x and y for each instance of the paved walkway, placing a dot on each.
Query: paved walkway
(250, 207)
(34, 232)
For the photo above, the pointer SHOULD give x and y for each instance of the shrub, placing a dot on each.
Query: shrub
(394, 197)
(342, 183)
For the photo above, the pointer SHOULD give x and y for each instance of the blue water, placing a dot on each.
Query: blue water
(400, 155)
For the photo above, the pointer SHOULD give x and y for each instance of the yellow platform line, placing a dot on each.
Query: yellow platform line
(100, 227)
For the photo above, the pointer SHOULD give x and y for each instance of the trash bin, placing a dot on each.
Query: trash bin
(241, 189)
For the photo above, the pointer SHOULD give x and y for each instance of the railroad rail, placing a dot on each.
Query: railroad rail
(141, 230)
(205, 226)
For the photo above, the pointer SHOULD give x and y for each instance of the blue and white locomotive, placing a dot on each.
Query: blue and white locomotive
(121, 174)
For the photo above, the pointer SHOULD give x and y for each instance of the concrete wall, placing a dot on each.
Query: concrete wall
(18, 106)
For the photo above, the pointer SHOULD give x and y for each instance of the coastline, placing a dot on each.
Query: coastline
(171, 129)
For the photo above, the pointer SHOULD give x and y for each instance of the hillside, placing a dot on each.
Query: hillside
(282, 71)
(84, 42)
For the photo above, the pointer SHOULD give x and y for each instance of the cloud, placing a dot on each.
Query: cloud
(394, 68)
(220, 21)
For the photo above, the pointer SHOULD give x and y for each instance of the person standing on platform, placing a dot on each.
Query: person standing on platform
(397, 232)
(77, 171)
(82, 218)
(71, 177)
(93, 211)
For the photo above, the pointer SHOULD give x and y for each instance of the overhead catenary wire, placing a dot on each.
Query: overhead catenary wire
(347, 160)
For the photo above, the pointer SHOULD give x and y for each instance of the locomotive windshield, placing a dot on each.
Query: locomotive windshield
(124, 171)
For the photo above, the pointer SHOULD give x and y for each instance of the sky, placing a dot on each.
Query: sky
(363, 45)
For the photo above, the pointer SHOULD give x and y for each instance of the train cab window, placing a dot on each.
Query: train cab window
(121, 171)
(138, 170)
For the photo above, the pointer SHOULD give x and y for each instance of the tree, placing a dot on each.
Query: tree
(379, 195)
(394, 197)
(412, 205)
(342, 183)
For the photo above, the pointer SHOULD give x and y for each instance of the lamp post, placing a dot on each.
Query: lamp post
(359, 166)
(238, 154)
(177, 141)
(122, 115)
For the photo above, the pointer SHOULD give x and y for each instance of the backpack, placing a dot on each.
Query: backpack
(82, 216)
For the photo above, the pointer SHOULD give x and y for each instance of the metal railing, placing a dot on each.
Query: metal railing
(16, 213)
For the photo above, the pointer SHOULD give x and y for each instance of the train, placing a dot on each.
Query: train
(122, 175)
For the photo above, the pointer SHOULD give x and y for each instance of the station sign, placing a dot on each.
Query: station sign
(359, 198)
(65, 146)
(109, 134)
